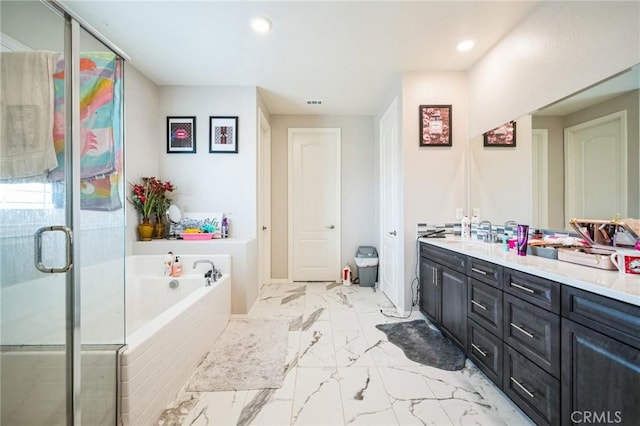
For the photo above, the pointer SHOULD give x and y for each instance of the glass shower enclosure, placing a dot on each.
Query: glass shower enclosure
(62, 220)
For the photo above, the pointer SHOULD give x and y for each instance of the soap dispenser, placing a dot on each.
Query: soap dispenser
(465, 224)
(176, 271)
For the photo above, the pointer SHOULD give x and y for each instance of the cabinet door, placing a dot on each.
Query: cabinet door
(454, 305)
(430, 296)
(600, 378)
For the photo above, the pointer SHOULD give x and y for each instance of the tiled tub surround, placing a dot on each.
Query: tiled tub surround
(165, 335)
(342, 370)
(623, 287)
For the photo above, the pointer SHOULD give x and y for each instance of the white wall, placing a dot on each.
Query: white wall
(359, 184)
(142, 127)
(213, 182)
(434, 177)
(560, 48)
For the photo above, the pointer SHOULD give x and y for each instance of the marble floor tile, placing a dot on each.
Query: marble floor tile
(342, 370)
(317, 398)
(352, 349)
(364, 399)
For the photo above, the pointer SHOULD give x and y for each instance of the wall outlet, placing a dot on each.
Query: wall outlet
(476, 212)
(458, 213)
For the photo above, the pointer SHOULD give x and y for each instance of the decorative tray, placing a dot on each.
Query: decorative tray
(594, 257)
(194, 236)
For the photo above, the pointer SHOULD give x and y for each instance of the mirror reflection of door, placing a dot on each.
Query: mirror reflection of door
(596, 172)
(540, 145)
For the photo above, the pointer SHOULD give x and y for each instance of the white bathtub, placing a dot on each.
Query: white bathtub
(168, 331)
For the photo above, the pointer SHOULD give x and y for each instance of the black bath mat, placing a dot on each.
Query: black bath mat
(423, 344)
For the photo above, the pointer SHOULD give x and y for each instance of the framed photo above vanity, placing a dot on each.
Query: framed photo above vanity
(223, 135)
(181, 135)
(435, 125)
(502, 136)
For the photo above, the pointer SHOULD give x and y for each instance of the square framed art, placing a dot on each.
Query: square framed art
(223, 135)
(181, 135)
(435, 125)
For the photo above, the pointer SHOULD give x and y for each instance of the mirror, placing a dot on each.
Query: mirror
(578, 157)
(585, 154)
(175, 216)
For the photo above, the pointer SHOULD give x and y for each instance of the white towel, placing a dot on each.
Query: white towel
(26, 108)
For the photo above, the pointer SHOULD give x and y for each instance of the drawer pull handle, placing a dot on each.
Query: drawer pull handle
(480, 351)
(479, 305)
(479, 271)
(521, 287)
(522, 330)
(522, 387)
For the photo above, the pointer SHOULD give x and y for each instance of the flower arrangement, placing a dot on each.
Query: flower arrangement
(150, 197)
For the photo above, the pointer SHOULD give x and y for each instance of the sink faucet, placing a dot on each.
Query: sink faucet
(490, 237)
(211, 274)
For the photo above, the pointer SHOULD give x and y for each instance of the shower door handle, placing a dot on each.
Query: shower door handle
(68, 249)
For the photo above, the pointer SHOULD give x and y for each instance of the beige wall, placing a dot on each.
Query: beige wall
(434, 178)
(359, 184)
(143, 126)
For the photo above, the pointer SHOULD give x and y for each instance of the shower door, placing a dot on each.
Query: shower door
(61, 236)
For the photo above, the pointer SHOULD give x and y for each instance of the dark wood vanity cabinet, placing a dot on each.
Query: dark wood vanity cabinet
(563, 355)
(430, 295)
(443, 291)
(600, 345)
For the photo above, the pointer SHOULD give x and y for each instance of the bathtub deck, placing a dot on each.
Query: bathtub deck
(343, 370)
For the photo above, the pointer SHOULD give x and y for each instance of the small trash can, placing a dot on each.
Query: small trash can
(367, 263)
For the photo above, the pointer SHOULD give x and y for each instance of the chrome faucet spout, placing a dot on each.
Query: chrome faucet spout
(212, 274)
(490, 236)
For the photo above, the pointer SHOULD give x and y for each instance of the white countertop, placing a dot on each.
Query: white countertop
(607, 283)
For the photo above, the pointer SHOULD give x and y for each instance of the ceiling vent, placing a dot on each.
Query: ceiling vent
(314, 101)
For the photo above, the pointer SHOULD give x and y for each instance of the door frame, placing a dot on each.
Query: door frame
(569, 153)
(540, 142)
(290, 200)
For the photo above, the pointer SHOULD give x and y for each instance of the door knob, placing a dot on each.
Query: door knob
(264, 228)
(394, 233)
(330, 227)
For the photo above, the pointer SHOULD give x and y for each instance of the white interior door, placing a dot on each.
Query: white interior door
(264, 201)
(390, 263)
(540, 141)
(314, 204)
(596, 168)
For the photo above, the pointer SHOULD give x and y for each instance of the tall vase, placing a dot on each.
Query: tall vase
(158, 230)
(145, 230)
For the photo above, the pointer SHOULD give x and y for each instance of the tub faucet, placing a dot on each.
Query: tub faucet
(212, 274)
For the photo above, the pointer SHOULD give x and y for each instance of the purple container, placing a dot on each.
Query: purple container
(523, 239)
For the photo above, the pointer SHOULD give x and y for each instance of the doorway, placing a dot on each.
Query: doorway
(314, 204)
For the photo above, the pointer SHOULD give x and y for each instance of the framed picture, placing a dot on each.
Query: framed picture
(435, 125)
(504, 136)
(181, 135)
(223, 135)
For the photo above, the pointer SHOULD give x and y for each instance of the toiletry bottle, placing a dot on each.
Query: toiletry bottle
(168, 264)
(177, 267)
(225, 228)
(465, 224)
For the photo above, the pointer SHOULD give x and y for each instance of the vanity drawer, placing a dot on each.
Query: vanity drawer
(539, 291)
(534, 332)
(485, 306)
(536, 392)
(485, 350)
(487, 272)
(614, 318)
(449, 258)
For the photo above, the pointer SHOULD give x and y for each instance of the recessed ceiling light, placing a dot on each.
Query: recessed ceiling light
(261, 24)
(465, 46)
